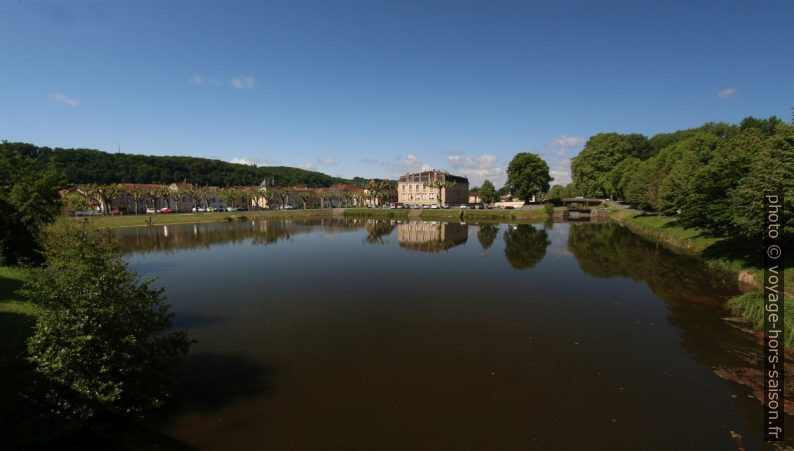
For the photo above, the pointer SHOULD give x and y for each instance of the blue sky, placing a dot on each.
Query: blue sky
(376, 89)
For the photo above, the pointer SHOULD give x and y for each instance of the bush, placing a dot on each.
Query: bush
(101, 343)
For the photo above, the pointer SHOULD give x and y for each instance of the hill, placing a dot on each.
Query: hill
(95, 166)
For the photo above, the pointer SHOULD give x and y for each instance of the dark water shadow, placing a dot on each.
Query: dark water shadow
(187, 320)
(209, 381)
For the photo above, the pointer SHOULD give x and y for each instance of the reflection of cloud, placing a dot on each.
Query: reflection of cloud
(64, 99)
(478, 169)
(242, 82)
(727, 92)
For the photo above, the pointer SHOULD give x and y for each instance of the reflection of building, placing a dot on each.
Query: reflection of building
(423, 188)
(431, 236)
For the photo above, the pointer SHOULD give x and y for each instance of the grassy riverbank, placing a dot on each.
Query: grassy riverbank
(187, 218)
(663, 229)
(450, 214)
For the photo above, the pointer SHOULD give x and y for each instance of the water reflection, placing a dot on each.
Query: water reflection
(525, 246)
(204, 235)
(609, 339)
(431, 236)
(487, 234)
(378, 231)
(610, 250)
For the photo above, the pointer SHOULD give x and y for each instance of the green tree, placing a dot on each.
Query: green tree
(772, 170)
(102, 342)
(29, 201)
(305, 196)
(527, 175)
(487, 193)
(75, 202)
(557, 193)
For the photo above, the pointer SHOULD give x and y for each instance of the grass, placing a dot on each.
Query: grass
(664, 229)
(17, 319)
(376, 213)
(536, 214)
(181, 218)
(750, 306)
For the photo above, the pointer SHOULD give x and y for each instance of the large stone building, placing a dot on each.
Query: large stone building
(433, 187)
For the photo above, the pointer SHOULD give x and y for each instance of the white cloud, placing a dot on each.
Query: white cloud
(561, 172)
(727, 92)
(563, 143)
(66, 100)
(242, 82)
(308, 166)
(411, 163)
(329, 161)
(196, 80)
(478, 169)
(254, 161)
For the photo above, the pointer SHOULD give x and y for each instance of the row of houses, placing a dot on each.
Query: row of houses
(424, 188)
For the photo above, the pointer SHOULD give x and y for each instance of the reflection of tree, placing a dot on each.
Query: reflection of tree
(202, 235)
(609, 250)
(431, 236)
(378, 230)
(525, 246)
(487, 234)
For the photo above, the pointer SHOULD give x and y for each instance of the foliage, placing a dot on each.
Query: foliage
(487, 193)
(710, 178)
(527, 175)
(29, 201)
(102, 342)
(82, 166)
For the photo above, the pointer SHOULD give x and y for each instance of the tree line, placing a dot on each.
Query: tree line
(82, 166)
(712, 177)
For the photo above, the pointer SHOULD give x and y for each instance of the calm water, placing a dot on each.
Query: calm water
(365, 335)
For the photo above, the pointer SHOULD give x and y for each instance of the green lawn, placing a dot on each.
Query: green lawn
(665, 230)
(17, 319)
(180, 218)
(378, 213)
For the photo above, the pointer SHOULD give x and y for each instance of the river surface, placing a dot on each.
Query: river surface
(337, 334)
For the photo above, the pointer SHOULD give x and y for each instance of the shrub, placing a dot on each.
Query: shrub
(102, 342)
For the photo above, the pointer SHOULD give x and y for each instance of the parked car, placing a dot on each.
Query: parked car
(231, 208)
(166, 210)
(115, 212)
(150, 211)
(287, 207)
(464, 206)
(434, 206)
(445, 206)
(198, 209)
